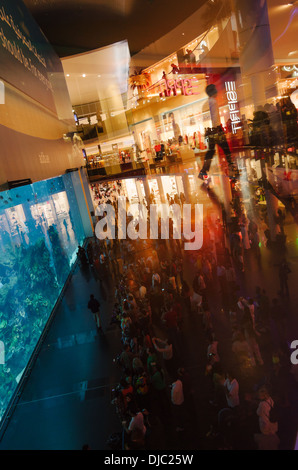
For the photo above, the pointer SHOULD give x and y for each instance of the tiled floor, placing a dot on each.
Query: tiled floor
(66, 401)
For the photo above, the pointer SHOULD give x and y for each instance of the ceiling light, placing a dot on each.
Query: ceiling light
(84, 75)
(67, 74)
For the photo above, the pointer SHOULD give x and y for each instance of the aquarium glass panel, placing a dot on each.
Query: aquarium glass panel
(40, 230)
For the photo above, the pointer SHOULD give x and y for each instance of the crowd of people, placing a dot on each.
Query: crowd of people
(163, 298)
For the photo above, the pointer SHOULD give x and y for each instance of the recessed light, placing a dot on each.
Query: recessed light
(84, 75)
(67, 74)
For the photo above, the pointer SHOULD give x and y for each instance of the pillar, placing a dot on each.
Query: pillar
(161, 191)
(147, 190)
(256, 53)
(187, 192)
(139, 191)
(110, 97)
(272, 206)
(83, 202)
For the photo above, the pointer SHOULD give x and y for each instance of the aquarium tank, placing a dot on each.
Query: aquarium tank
(40, 230)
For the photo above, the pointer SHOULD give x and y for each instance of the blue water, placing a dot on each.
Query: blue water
(40, 230)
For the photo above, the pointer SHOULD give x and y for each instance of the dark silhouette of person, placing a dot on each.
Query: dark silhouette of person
(216, 134)
(283, 273)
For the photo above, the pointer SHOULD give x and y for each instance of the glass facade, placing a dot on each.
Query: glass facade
(40, 230)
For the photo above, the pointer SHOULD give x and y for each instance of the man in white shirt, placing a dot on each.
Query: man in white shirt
(155, 279)
(177, 396)
(136, 428)
(166, 348)
(163, 347)
(137, 423)
(196, 302)
(142, 292)
(232, 391)
(227, 415)
(267, 439)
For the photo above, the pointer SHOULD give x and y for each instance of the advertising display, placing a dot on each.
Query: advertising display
(28, 61)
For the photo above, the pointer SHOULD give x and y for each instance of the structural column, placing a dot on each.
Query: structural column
(147, 190)
(160, 189)
(256, 53)
(187, 192)
(257, 69)
(272, 206)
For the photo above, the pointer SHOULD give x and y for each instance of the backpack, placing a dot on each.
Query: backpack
(125, 325)
(273, 413)
(141, 385)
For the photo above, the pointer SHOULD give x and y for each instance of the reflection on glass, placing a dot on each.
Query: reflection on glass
(40, 230)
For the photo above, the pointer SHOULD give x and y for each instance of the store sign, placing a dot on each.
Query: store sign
(233, 102)
(185, 85)
(28, 61)
(291, 68)
(44, 158)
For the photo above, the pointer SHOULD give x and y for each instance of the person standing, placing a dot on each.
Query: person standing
(227, 417)
(250, 334)
(186, 296)
(156, 281)
(232, 391)
(242, 351)
(94, 306)
(166, 348)
(126, 358)
(136, 430)
(199, 285)
(188, 392)
(216, 135)
(177, 399)
(170, 320)
(283, 273)
(212, 353)
(267, 439)
(159, 391)
(251, 307)
(222, 279)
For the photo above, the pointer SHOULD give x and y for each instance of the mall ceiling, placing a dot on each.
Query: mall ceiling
(76, 26)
